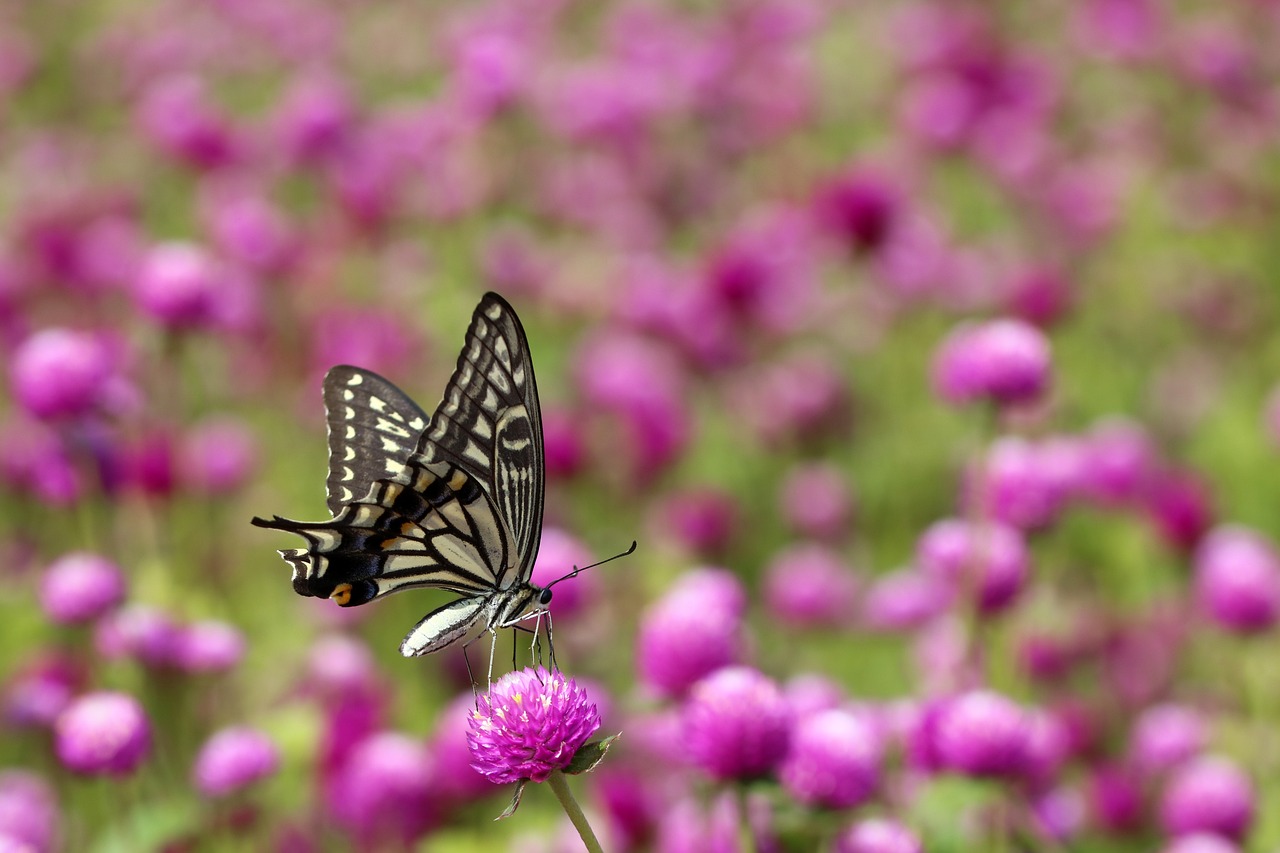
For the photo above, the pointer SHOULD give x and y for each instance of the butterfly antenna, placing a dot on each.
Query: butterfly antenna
(576, 570)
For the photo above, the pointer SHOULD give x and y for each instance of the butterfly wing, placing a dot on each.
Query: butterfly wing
(373, 429)
(489, 424)
(429, 525)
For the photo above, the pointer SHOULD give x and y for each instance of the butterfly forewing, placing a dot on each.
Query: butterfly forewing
(373, 429)
(489, 423)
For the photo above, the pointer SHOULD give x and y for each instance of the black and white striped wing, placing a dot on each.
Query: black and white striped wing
(373, 429)
(430, 525)
(490, 425)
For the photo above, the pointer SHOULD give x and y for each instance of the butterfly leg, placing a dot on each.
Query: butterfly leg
(551, 645)
(493, 648)
(475, 692)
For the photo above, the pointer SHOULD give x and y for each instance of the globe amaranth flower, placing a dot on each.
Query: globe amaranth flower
(878, 835)
(737, 723)
(1209, 794)
(834, 760)
(1200, 842)
(29, 816)
(208, 646)
(981, 733)
(816, 501)
(989, 560)
(59, 373)
(1237, 579)
(693, 630)
(1166, 735)
(1007, 361)
(103, 734)
(809, 584)
(382, 792)
(233, 759)
(529, 724)
(79, 587)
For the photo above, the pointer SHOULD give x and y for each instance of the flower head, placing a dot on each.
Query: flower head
(1237, 579)
(693, 630)
(103, 734)
(79, 587)
(1209, 794)
(834, 760)
(737, 723)
(1007, 361)
(59, 373)
(529, 724)
(982, 733)
(28, 812)
(878, 835)
(811, 585)
(233, 759)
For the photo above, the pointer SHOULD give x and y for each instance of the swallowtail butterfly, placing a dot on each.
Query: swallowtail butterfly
(454, 502)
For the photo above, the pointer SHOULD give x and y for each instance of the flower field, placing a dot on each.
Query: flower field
(925, 349)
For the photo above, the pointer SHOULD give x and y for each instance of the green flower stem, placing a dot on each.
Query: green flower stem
(560, 785)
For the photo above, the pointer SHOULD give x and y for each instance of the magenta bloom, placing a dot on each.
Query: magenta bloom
(810, 585)
(737, 724)
(180, 285)
(208, 646)
(28, 813)
(59, 373)
(217, 456)
(991, 559)
(529, 724)
(693, 630)
(382, 792)
(1119, 461)
(1210, 794)
(982, 733)
(1237, 579)
(39, 691)
(1165, 736)
(79, 587)
(103, 734)
(878, 835)
(903, 600)
(1014, 485)
(137, 631)
(860, 208)
(817, 502)
(233, 759)
(1007, 361)
(1200, 842)
(834, 760)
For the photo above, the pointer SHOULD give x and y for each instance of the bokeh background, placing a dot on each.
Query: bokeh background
(925, 348)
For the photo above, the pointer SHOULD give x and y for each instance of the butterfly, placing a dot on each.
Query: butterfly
(453, 502)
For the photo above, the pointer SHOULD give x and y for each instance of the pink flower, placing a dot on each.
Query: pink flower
(530, 724)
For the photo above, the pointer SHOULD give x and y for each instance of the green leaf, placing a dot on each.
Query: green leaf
(515, 800)
(589, 755)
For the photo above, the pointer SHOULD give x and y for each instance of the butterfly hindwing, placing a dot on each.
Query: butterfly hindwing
(431, 525)
(489, 422)
(373, 429)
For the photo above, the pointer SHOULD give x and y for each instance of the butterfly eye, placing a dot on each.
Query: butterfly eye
(341, 594)
(544, 597)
